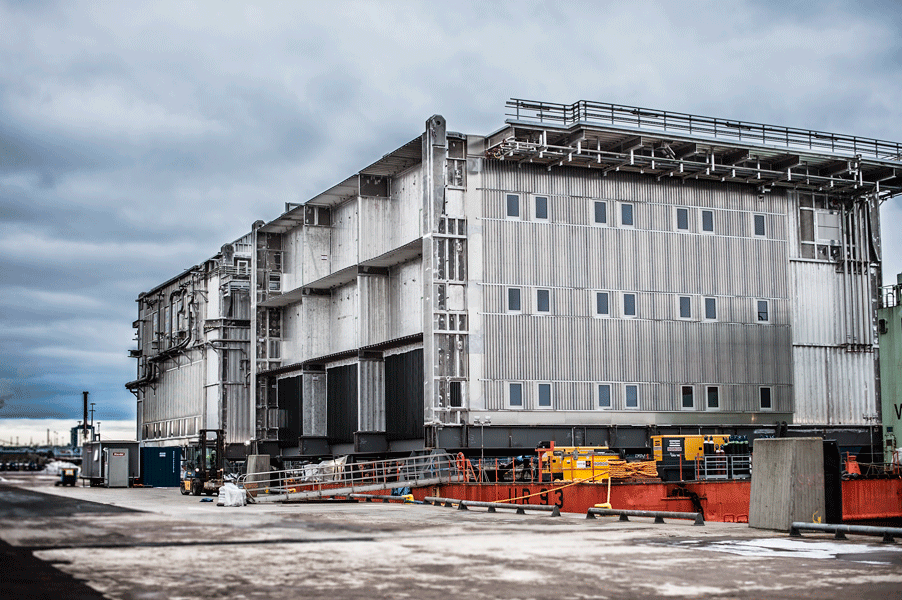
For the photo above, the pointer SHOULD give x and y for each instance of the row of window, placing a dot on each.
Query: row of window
(630, 396)
(628, 305)
(705, 217)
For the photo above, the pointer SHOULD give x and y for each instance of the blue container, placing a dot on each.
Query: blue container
(161, 467)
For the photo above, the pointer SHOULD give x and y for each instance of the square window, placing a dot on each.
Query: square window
(629, 305)
(544, 395)
(759, 226)
(682, 215)
(515, 395)
(765, 396)
(713, 396)
(685, 307)
(542, 207)
(688, 399)
(513, 300)
(513, 205)
(604, 395)
(708, 220)
(626, 214)
(601, 212)
(275, 282)
(711, 309)
(602, 306)
(632, 396)
(543, 301)
(763, 311)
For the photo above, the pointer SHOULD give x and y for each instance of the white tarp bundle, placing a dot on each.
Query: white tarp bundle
(231, 495)
(55, 467)
(326, 471)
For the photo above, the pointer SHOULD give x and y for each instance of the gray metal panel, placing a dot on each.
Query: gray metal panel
(833, 386)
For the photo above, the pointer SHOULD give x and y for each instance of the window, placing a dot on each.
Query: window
(513, 300)
(711, 309)
(602, 308)
(275, 282)
(708, 220)
(760, 229)
(685, 307)
(763, 311)
(713, 396)
(242, 266)
(513, 205)
(626, 214)
(764, 395)
(682, 216)
(542, 207)
(515, 395)
(543, 301)
(688, 399)
(632, 396)
(629, 305)
(601, 212)
(604, 395)
(544, 395)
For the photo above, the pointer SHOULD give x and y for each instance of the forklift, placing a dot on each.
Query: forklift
(204, 464)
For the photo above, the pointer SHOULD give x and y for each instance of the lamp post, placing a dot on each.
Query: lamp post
(482, 422)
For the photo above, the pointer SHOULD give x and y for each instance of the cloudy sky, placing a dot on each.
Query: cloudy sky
(137, 138)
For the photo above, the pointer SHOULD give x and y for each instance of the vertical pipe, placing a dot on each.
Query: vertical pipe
(85, 418)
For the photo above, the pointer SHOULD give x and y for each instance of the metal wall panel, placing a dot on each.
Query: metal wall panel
(408, 199)
(345, 235)
(375, 309)
(405, 298)
(343, 312)
(341, 408)
(371, 397)
(404, 376)
(833, 386)
(379, 228)
(291, 400)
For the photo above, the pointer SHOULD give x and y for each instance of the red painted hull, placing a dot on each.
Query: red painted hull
(724, 501)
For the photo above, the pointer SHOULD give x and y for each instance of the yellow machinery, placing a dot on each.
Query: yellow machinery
(569, 463)
(689, 447)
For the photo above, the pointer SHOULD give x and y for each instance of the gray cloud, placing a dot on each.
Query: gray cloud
(137, 139)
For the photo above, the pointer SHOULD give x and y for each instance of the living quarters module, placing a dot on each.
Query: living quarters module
(591, 274)
(193, 353)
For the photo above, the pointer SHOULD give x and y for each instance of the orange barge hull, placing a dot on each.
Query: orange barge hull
(723, 501)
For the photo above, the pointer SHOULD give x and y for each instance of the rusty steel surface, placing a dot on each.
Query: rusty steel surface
(721, 501)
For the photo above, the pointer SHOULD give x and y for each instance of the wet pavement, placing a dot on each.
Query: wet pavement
(151, 544)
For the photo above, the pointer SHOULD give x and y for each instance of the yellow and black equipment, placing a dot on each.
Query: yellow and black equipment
(570, 463)
(204, 464)
(675, 455)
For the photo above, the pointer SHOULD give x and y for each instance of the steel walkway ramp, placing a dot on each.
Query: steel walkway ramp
(339, 477)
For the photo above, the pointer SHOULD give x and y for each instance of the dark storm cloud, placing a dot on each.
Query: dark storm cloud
(136, 139)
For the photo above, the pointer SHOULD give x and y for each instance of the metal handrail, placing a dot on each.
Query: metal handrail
(740, 131)
(339, 477)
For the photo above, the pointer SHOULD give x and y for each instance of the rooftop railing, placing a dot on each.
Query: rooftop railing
(695, 125)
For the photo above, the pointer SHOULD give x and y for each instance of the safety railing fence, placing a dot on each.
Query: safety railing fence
(890, 296)
(341, 476)
(731, 129)
(724, 466)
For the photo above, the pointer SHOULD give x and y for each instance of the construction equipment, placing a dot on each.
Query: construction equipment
(204, 464)
(68, 476)
(569, 463)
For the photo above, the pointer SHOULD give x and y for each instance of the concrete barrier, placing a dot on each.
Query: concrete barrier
(787, 482)
(658, 515)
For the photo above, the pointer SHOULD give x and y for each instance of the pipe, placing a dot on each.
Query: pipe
(888, 533)
(658, 515)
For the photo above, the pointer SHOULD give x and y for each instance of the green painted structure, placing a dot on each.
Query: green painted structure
(889, 328)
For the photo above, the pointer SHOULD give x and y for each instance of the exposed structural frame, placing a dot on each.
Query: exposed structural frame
(613, 137)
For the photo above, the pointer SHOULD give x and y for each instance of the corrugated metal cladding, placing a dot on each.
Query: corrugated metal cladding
(180, 391)
(820, 289)
(379, 232)
(291, 400)
(565, 184)
(341, 390)
(345, 229)
(404, 408)
(538, 253)
(527, 348)
(654, 397)
(833, 387)
(376, 310)
(371, 397)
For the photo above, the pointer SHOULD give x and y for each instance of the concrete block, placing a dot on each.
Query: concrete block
(787, 482)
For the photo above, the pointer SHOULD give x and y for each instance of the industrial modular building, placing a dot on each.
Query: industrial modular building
(589, 273)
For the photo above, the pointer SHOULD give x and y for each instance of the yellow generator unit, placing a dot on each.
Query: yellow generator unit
(690, 447)
(570, 463)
